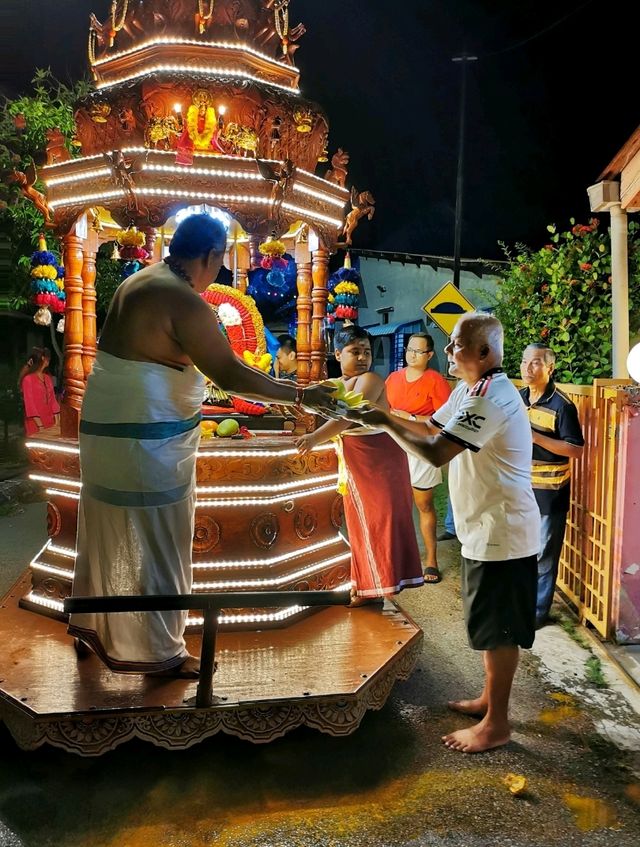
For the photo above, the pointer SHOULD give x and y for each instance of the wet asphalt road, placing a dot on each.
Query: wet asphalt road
(392, 783)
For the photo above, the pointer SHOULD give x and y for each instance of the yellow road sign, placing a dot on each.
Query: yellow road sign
(445, 307)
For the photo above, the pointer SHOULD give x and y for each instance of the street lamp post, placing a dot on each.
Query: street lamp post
(457, 238)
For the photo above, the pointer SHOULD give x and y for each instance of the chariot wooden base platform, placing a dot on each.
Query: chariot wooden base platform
(324, 671)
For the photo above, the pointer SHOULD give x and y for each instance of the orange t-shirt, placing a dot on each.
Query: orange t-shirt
(421, 397)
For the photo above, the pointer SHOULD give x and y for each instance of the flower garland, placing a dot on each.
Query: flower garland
(261, 361)
(47, 284)
(201, 140)
(244, 328)
(253, 337)
(231, 322)
(202, 16)
(344, 294)
(273, 261)
(130, 244)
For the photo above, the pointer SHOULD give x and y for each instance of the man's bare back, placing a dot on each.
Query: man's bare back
(140, 324)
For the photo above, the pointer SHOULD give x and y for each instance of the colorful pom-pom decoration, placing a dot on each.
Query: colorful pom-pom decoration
(47, 284)
(272, 252)
(344, 293)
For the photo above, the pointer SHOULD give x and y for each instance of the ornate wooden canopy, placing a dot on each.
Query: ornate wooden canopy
(196, 101)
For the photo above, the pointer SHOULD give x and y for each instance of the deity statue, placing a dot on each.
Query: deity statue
(200, 131)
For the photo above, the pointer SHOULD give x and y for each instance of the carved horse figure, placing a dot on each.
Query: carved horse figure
(25, 182)
(362, 204)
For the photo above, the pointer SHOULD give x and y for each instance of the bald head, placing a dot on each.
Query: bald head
(476, 346)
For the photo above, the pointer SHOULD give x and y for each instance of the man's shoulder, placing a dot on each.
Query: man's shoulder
(434, 377)
(395, 376)
(563, 399)
(370, 378)
(498, 390)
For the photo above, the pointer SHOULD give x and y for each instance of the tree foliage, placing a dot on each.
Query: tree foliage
(24, 123)
(108, 278)
(561, 295)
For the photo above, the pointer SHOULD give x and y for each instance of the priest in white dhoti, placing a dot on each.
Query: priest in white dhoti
(139, 434)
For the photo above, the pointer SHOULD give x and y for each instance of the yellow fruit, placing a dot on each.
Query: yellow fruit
(515, 783)
(208, 428)
(227, 428)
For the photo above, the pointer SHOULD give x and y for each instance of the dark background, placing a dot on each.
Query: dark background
(549, 104)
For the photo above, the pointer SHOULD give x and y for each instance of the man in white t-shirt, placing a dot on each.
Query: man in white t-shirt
(483, 430)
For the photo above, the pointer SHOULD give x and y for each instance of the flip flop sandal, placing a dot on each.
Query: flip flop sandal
(432, 572)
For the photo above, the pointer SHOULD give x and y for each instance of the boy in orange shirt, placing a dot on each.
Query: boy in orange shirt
(415, 393)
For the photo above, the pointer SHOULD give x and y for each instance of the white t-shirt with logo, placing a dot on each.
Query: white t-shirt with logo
(496, 514)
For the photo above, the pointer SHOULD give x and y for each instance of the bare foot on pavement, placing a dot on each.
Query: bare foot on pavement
(478, 738)
(475, 708)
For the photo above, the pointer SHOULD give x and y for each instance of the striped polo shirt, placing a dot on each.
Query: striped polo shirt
(555, 416)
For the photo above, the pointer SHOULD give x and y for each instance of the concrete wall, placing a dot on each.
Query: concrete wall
(408, 287)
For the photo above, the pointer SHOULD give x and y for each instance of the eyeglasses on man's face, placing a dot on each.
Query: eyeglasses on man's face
(418, 352)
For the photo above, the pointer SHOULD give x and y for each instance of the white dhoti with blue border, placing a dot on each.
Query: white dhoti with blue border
(139, 435)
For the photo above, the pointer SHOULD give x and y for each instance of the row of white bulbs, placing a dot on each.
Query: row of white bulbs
(211, 489)
(177, 169)
(281, 615)
(235, 454)
(229, 584)
(204, 156)
(222, 564)
(197, 70)
(221, 503)
(195, 195)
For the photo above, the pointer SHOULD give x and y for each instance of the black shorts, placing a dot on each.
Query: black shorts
(499, 600)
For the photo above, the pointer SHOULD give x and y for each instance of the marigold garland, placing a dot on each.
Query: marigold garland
(272, 248)
(130, 237)
(252, 324)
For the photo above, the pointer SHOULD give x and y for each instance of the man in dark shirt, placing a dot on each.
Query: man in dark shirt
(557, 438)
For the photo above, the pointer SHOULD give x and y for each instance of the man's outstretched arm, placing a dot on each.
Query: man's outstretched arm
(198, 334)
(411, 436)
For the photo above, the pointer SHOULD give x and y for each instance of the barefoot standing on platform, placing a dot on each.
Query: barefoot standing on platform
(483, 430)
(139, 435)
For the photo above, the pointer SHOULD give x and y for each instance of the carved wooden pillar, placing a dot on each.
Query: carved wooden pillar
(150, 238)
(240, 262)
(242, 280)
(88, 310)
(73, 376)
(303, 340)
(319, 295)
(254, 242)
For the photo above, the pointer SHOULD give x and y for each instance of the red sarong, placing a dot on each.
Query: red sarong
(378, 509)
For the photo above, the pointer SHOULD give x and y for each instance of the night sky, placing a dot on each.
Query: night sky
(545, 114)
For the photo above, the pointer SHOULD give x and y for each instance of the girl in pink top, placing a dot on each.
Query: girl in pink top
(41, 408)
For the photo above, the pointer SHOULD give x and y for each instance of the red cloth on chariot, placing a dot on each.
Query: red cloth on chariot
(378, 507)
